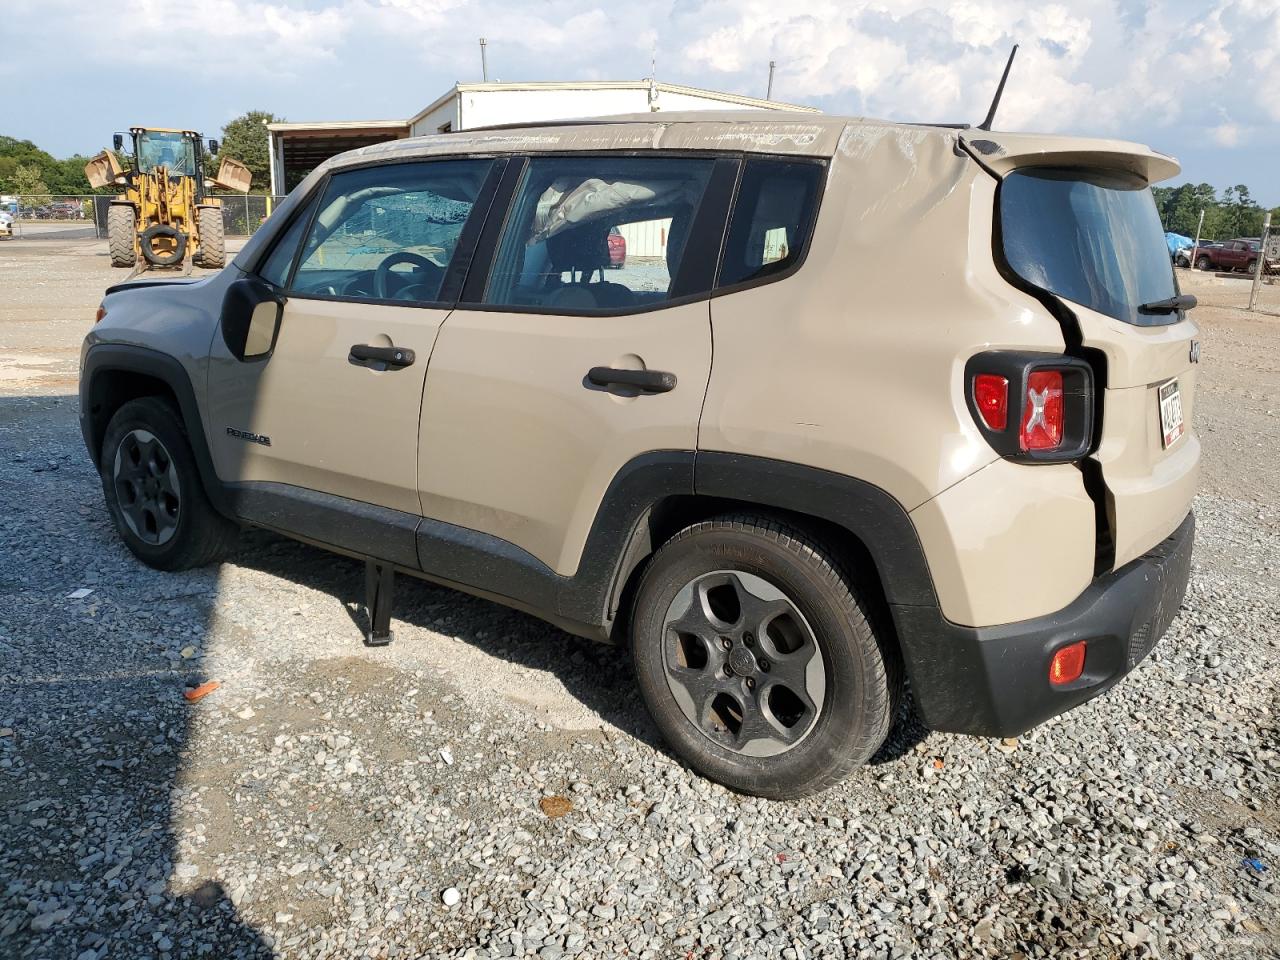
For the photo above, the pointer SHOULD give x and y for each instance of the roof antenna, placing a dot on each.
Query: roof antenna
(995, 103)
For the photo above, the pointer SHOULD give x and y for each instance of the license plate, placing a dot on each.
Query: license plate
(1170, 413)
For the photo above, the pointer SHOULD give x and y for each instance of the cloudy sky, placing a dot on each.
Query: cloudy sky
(1184, 76)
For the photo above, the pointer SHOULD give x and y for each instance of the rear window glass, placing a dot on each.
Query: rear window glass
(1091, 237)
(772, 219)
(590, 234)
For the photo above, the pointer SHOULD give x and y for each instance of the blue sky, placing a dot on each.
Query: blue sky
(1181, 76)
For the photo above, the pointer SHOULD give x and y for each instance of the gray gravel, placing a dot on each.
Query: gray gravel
(488, 787)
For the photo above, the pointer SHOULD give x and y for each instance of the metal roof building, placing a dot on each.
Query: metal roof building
(297, 148)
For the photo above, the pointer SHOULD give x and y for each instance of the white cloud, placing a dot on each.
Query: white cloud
(1160, 70)
(1226, 134)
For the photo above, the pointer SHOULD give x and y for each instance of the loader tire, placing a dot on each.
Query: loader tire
(121, 229)
(212, 252)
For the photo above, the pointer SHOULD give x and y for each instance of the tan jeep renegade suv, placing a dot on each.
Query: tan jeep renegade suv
(863, 402)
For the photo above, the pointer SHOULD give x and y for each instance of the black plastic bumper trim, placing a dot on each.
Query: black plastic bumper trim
(994, 681)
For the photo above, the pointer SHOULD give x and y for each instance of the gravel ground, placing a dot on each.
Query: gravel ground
(488, 786)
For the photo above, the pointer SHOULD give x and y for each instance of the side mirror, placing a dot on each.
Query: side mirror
(213, 147)
(251, 313)
(117, 142)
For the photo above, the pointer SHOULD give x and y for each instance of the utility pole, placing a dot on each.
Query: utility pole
(1195, 248)
(1261, 264)
(768, 95)
(484, 62)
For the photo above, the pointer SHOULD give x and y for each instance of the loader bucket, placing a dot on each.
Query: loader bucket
(103, 170)
(233, 175)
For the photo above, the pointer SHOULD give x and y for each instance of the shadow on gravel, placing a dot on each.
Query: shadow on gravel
(94, 729)
(598, 675)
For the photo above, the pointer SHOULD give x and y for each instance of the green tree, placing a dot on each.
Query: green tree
(26, 181)
(1180, 212)
(245, 139)
(24, 153)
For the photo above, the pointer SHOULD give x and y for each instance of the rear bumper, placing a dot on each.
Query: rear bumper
(994, 681)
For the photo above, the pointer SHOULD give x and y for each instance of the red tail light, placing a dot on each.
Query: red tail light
(991, 396)
(1042, 411)
(1068, 663)
(1032, 407)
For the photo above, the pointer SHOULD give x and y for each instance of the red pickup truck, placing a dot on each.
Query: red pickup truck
(1238, 254)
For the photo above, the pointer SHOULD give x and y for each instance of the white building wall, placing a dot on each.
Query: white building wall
(671, 100)
(483, 108)
(447, 112)
(648, 239)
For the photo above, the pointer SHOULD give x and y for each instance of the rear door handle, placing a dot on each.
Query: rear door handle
(646, 381)
(391, 358)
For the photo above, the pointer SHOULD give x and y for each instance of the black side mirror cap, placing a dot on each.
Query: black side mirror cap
(117, 142)
(213, 147)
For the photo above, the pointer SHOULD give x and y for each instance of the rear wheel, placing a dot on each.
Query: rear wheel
(756, 658)
(153, 490)
(121, 235)
(1251, 268)
(213, 242)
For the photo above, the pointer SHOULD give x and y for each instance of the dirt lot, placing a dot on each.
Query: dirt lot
(331, 800)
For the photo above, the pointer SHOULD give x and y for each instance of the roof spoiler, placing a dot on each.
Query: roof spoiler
(1002, 153)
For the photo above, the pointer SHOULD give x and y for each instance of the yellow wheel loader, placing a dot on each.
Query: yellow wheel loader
(166, 210)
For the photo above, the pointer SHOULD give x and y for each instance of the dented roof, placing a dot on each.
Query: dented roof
(774, 132)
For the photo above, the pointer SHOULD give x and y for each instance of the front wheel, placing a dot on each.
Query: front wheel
(756, 659)
(154, 492)
(1203, 263)
(212, 252)
(122, 239)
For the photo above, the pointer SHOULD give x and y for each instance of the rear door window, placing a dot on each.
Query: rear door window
(1091, 237)
(772, 219)
(598, 234)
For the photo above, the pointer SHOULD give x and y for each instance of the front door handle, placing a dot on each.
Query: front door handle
(386, 358)
(646, 381)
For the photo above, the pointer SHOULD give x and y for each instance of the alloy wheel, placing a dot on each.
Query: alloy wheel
(147, 487)
(743, 663)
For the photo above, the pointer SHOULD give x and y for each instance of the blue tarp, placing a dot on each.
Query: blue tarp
(1177, 241)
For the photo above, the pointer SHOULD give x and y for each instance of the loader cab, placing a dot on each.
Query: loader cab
(180, 152)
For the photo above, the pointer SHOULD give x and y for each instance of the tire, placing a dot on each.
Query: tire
(1203, 263)
(1251, 267)
(147, 466)
(159, 231)
(212, 251)
(121, 231)
(815, 690)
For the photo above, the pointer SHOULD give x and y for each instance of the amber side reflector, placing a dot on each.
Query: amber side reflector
(1068, 663)
(102, 312)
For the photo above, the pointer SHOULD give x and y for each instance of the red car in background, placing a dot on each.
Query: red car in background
(1242, 253)
(617, 249)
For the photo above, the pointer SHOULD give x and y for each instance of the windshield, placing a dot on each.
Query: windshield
(170, 150)
(1088, 236)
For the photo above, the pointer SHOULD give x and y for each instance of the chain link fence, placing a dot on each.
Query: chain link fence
(63, 217)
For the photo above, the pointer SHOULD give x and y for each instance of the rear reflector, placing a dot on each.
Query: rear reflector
(1068, 663)
(991, 396)
(1042, 412)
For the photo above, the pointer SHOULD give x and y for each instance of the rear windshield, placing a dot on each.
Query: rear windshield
(1091, 237)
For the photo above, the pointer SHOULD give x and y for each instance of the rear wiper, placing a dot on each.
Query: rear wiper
(1183, 301)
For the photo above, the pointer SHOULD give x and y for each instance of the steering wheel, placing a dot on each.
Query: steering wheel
(382, 276)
